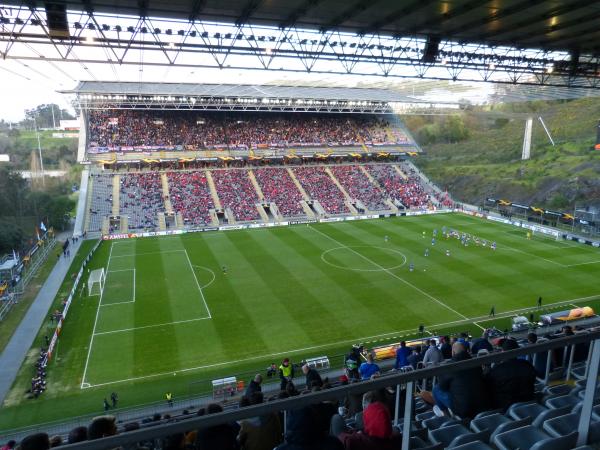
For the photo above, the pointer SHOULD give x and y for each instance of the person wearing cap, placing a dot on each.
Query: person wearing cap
(286, 373)
(511, 381)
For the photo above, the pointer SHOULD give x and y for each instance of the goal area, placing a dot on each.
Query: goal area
(96, 282)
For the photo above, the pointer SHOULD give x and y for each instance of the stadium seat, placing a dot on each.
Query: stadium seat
(559, 389)
(490, 422)
(531, 438)
(513, 425)
(562, 401)
(436, 422)
(525, 409)
(417, 443)
(453, 435)
(476, 445)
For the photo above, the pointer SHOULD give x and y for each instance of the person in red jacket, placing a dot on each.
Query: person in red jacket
(377, 433)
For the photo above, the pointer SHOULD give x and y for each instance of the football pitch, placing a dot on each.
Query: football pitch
(190, 307)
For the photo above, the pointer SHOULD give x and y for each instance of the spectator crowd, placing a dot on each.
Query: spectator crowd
(190, 195)
(236, 192)
(319, 186)
(278, 187)
(141, 199)
(125, 129)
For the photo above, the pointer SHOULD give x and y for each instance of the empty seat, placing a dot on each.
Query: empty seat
(531, 438)
(490, 422)
(525, 409)
(562, 401)
(420, 444)
(436, 422)
(559, 389)
(477, 445)
(513, 425)
(539, 420)
(453, 435)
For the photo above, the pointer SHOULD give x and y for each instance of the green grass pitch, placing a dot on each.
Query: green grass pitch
(170, 318)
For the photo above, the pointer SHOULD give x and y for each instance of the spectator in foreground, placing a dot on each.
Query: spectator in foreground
(481, 343)
(433, 355)
(368, 368)
(78, 434)
(218, 437)
(312, 377)
(254, 385)
(402, 354)
(9, 445)
(511, 381)
(462, 393)
(304, 432)
(377, 433)
(102, 426)
(262, 432)
(37, 441)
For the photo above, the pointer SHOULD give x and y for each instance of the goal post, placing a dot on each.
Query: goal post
(96, 282)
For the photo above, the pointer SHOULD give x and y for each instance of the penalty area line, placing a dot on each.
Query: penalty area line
(398, 334)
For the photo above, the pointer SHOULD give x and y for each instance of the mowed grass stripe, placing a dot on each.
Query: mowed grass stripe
(236, 321)
(389, 303)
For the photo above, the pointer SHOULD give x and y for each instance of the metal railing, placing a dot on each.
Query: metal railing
(399, 380)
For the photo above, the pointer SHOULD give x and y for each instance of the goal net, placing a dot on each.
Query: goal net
(96, 282)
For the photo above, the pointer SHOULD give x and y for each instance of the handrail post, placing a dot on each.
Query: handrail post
(590, 391)
(407, 416)
(570, 365)
(548, 363)
(397, 408)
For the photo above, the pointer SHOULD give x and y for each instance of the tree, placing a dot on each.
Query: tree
(46, 116)
(11, 236)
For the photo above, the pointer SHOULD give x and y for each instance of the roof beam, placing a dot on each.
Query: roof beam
(299, 12)
(350, 12)
(404, 11)
(197, 8)
(247, 12)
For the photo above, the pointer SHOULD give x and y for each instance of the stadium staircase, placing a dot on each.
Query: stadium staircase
(116, 200)
(298, 185)
(229, 216)
(259, 191)
(162, 223)
(402, 174)
(275, 211)
(348, 202)
(88, 203)
(124, 224)
(166, 198)
(374, 182)
(213, 190)
(426, 181)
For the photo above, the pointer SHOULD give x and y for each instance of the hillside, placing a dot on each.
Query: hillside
(488, 161)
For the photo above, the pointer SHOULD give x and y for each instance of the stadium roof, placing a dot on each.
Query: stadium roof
(241, 90)
(557, 25)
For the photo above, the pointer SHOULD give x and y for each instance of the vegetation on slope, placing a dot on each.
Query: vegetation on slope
(487, 161)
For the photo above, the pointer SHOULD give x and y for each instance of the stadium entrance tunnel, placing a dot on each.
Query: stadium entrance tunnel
(364, 258)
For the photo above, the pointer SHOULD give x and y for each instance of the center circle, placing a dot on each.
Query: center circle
(326, 257)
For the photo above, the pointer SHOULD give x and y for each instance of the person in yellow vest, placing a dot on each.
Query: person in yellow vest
(286, 373)
(169, 398)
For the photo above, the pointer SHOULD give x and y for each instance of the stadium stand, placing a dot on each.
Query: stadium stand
(319, 185)
(536, 416)
(101, 200)
(237, 193)
(409, 192)
(175, 129)
(359, 187)
(190, 195)
(141, 199)
(278, 187)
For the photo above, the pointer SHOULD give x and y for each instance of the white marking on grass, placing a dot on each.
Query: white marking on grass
(361, 270)
(87, 359)
(198, 284)
(120, 270)
(477, 325)
(214, 277)
(151, 326)
(367, 339)
(149, 253)
(391, 273)
(584, 263)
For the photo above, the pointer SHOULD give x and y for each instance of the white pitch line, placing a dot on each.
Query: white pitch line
(148, 253)
(391, 273)
(120, 270)
(134, 284)
(477, 325)
(151, 326)
(198, 284)
(584, 263)
(368, 339)
(117, 303)
(87, 359)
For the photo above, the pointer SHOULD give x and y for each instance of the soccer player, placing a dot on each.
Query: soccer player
(493, 246)
(423, 235)
(224, 268)
(529, 235)
(427, 251)
(114, 398)
(447, 252)
(434, 232)
(539, 302)
(432, 241)
(493, 311)
(411, 267)
(386, 238)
